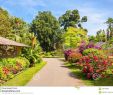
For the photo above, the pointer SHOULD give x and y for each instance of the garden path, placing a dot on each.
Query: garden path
(55, 73)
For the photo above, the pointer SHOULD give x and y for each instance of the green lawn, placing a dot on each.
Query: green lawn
(102, 82)
(25, 76)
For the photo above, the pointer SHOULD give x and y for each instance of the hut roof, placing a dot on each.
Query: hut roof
(5, 41)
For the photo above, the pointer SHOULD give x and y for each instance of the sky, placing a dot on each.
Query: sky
(97, 11)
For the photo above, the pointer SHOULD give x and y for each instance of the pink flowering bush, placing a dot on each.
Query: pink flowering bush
(67, 53)
(85, 46)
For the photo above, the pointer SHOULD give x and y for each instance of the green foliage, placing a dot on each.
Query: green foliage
(11, 66)
(92, 39)
(109, 22)
(101, 36)
(24, 77)
(32, 54)
(45, 26)
(71, 18)
(92, 51)
(20, 31)
(5, 25)
(74, 36)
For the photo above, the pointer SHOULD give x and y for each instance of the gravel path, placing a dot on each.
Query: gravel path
(55, 73)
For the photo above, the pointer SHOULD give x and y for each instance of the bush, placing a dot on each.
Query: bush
(33, 55)
(12, 66)
(82, 47)
(92, 51)
(74, 57)
(85, 46)
(95, 66)
(67, 53)
(22, 62)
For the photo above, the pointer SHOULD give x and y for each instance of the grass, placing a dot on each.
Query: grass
(25, 76)
(101, 82)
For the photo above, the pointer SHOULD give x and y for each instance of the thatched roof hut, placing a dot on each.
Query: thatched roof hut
(10, 48)
(4, 41)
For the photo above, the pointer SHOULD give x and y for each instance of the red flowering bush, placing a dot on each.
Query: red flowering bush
(6, 70)
(95, 66)
(5, 73)
(74, 57)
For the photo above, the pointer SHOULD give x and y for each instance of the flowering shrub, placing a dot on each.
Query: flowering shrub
(67, 53)
(5, 73)
(95, 66)
(74, 57)
(12, 67)
(92, 51)
(85, 46)
(82, 47)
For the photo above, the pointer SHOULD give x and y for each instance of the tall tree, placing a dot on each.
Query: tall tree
(5, 27)
(101, 36)
(72, 18)
(20, 30)
(45, 26)
(109, 22)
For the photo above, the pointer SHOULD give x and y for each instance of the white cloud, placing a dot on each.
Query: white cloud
(96, 18)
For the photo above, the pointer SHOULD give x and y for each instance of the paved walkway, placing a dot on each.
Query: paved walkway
(55, 73)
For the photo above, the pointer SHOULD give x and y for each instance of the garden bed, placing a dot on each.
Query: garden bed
(101, 82)
(25, 76)
(91, 64)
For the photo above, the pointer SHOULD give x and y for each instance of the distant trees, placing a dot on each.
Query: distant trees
(105, 35)
(92, 38)
(101, 36)
(72, 18)
(49, 30)
(46, 28)
(109, 22)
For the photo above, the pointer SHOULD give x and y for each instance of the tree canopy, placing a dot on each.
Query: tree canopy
(45, 26)
(74, 36)
(109, 22)
(72, 18)
(5, 26)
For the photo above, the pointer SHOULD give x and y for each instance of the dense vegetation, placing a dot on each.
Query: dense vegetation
(16, 29)
(47, 36)
(46, 28)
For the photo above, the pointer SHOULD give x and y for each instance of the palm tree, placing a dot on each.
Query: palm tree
(109, 22)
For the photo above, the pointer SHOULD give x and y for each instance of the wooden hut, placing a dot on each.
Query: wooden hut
(10, 48)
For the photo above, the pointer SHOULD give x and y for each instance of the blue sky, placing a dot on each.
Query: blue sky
(97, 11)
